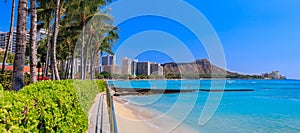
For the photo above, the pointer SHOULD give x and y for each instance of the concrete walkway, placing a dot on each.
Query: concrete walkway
(98, 115)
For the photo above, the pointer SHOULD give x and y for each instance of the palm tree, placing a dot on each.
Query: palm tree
(45, 14)
(69, 33)
(33, 32)
(106, 45)
(73, 15)
(18, 71)
(86, 10)
(10, 36)
(102, 36)
(55, 75)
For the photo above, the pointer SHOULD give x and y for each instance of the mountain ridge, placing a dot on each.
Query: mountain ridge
(201, 68)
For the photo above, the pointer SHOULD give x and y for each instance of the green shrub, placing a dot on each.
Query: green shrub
(104, 74)
(6, 79)
(87, 95)
(48, 106)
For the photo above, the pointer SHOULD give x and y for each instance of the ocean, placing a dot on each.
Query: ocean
(272, 106)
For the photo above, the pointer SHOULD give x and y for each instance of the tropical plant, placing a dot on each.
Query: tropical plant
(94, 26)
(69, 32)
(10, 57)
(73, 18)
(49, 106)
(55, 75)
(45, 13)
(6, 78)
(85, 10)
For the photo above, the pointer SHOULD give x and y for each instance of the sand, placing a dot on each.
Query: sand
(128, 122)
(131, 120)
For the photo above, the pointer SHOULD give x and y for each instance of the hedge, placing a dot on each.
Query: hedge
(48, 106)
(6, 79)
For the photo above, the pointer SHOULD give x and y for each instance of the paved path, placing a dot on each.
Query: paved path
(98, 115)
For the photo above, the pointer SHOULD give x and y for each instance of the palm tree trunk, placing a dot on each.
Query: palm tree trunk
(68, 61)
(85, 61)
(100, 60)
(82, 46)
(91, 63)
(67, 68)
(82, 53)
(19, 61)
(73, 65)
(92, 58)
(33, 32)
(86, 54)
(48, 48)
(10, 36)
(62, 68)
(55, 75)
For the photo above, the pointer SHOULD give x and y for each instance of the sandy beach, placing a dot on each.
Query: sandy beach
(130, 120)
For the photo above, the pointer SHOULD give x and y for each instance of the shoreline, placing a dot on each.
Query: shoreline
(204, 79)
(128, 120)
(132, 119)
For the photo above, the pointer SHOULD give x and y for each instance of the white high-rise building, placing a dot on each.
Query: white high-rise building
(126, 66)
(134, 67)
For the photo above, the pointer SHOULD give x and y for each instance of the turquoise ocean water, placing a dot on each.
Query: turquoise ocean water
(273, 106)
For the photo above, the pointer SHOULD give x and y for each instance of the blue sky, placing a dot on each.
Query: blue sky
(257, 36)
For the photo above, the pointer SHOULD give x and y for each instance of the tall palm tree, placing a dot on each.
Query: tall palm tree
(45, 14)
(69, 34)
(86, 8)
(33, 32)
(102, 36)
(10, 36)
(55, 75)
(18, 71)
(76, 15)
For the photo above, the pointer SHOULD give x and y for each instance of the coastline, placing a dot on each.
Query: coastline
(203, 79)
(132, 119)
(128, 120)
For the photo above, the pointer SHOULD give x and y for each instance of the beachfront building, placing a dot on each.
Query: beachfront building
(149, 68)
(126, 66)
(108, 60)
(134, 67)
(113, 69)
(4, 38)
(143, 68)
(273, 75)
(129, 66)
(156, 69)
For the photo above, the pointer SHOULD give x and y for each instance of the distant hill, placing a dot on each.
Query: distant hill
(201, 68)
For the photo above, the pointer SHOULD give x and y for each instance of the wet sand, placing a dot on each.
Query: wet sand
(132, 120)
